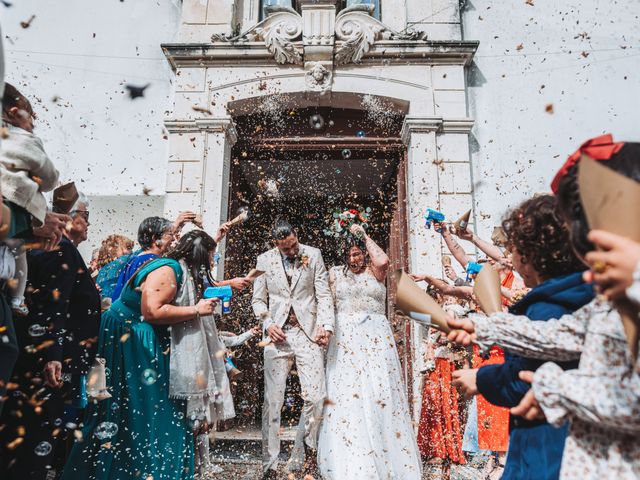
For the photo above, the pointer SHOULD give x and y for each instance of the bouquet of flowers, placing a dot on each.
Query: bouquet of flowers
(344, 220)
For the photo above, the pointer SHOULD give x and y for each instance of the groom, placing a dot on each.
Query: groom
(294, 302)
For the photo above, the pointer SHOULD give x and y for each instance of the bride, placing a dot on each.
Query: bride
(366, 432)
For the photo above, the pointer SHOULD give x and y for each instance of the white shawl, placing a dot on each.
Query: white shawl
(196, 365)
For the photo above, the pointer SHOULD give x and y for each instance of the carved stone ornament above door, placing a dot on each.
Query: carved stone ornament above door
(278, 31)
(359, 31)
(355, 31)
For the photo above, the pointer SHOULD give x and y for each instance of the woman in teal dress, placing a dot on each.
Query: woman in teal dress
(140, 432)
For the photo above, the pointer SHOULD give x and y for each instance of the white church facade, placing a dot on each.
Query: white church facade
(300, 107)
(387, 95)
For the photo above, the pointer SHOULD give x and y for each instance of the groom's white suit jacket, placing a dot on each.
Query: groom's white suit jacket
(308, 294)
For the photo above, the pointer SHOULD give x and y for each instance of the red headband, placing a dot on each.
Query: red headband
(599, 148)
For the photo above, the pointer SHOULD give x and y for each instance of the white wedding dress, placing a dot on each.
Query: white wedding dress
(366, 431)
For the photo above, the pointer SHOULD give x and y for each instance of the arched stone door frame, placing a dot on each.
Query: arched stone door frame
(212, 85)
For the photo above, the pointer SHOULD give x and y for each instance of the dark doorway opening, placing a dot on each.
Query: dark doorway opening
(303, 174)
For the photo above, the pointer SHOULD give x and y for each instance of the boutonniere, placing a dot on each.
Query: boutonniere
(303, 260)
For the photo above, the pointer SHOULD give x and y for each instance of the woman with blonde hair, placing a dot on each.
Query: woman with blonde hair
(113, 255)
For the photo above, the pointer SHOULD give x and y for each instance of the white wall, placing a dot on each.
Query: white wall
(118, 214)
(82, 52)
(519, 146)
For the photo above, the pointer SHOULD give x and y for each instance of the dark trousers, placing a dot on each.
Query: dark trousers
(8, 347)
(36, 418)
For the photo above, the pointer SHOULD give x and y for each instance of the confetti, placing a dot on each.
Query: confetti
(27, 23)
(199, 109)
(136, 91)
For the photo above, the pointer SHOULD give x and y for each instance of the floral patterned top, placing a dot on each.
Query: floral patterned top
(601, 398)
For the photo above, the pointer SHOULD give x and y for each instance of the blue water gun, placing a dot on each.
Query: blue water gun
(224, 293)
(230, 367)
(473, 269)
(433, 216)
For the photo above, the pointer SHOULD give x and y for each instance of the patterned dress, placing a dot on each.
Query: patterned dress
(600, 399)
(439, 431)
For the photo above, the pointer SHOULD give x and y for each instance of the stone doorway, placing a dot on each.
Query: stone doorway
(303, 164)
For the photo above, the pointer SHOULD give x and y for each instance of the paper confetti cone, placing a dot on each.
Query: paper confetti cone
(463, 222)
(415, 302)
(241, 218)
(487, 290)
(498, 237)
(254, 274)
(609, 200)
(64, 197)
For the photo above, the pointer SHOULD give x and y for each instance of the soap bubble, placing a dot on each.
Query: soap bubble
(316, 122)
(105, 430)
(43, 449)
(346, 154)
(37, 330)
(360, 134)
(149, 376)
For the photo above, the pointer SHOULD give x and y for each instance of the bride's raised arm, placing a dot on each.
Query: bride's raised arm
(379, 259)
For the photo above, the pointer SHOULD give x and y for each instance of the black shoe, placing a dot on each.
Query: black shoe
(270, 475)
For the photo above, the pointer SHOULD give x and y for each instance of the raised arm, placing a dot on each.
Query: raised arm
(237, 283)
(488, 248)
(237, 340)
(454, 247)
(603, 400)
(379, 259)
(559, 339)
(445, 288)
(158, 292)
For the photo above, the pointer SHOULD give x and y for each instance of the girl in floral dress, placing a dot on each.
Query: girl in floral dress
(600, 399)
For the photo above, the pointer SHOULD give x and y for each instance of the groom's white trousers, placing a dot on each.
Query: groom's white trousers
(278, 360)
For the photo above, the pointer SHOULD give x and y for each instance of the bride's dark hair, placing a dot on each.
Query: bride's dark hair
(347, 243)
(195, 249)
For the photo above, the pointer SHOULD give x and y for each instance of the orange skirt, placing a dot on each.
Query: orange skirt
(439, 433)
(493, 422)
